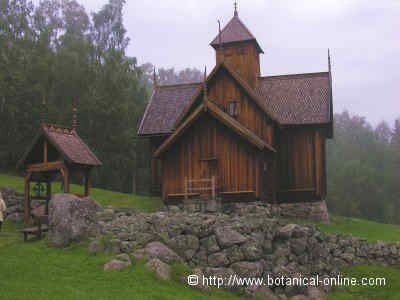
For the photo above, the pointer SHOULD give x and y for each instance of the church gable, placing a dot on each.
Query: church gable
(234, 96)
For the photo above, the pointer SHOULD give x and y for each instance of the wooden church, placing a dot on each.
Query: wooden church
(237, 135)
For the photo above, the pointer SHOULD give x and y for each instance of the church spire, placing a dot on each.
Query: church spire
(155, 83)
(235, 13)
(329, 61)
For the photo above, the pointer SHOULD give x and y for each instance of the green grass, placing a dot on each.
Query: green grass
(372, 231)
(104, 197)
(369, 230)
(391, 289)
(33, 271)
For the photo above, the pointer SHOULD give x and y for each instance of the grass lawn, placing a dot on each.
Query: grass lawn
(390, 291)
(372, 231)
(33, 271)
(104, 197)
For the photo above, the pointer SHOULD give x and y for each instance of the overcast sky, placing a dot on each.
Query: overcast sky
(364, 38)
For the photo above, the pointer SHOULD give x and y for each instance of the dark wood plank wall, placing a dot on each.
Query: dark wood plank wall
(156, 166)
(209, 148)
(239, 163)
(301, 163)
(243, 59)
(224, 89)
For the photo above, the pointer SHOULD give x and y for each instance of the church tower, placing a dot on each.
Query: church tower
(236, 46)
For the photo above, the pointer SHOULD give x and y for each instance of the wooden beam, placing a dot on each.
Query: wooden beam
(46, 166)
(48, 190)
(26, 199)
(66, 180)
(45, 152)
(88, 184)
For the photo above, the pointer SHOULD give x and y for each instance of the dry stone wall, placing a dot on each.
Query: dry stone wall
(15, 204)
(247, 242)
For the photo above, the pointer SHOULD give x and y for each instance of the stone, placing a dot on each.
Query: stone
(202, 286)
(95, 247)
(248, 269)
(124, 257)
(224, 273)
(211, 206)
(173, 209)
(264, 292)
(267, 246)
(15, 217)
(315, 293)
(234, 254)
(227, 237)
(219, 259)
(212, 245)
(251, 250)
(160, 268)
(162, 252)
(116, 264)
(185, 244)
(299, 297)
(126, 247)
(112, 246)
(298, 246)
(70, 218)
(105, 215)
(286, 231)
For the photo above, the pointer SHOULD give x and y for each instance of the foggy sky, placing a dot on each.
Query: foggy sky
(364, 38)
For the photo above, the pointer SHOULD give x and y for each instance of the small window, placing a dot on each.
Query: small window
(233, 108)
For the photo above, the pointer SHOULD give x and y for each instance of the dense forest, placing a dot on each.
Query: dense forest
(55, 55)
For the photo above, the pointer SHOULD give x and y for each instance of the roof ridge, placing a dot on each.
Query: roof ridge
(289, 76)
(245, 27)
(179, 84)
(57, 126)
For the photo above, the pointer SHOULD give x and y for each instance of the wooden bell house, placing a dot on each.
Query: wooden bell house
(56, 152)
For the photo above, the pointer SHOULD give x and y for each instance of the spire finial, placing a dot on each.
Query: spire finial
(221, 49)
(235, 12)
(74, 116)
(205, 88)
(43, 112)
(154, 77)
(329, 61)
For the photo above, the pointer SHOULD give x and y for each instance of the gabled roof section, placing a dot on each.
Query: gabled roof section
(298, 99)
(221, 116)
(235, 31)
(165, 105)
(68, 143)
(243, 84)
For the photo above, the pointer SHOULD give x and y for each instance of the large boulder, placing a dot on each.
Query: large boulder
(71, 219)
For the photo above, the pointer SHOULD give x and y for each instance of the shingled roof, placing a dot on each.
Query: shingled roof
(297, 98)
(291, 99)
(67, 142)
(235, 31)
(165, 106)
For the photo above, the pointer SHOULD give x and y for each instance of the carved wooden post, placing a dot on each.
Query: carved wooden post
(48, 190)
(66, 180)
(186, 188)
(213, 187)
(88, 184)
(26, 200)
